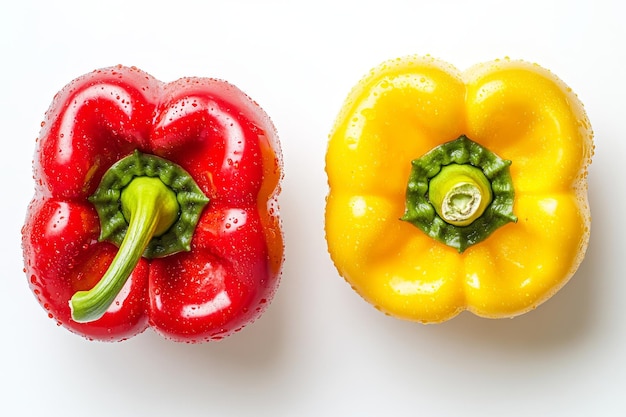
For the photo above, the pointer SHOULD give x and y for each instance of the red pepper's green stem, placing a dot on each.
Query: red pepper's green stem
(151, 208)
(460, 194)
(148, 206)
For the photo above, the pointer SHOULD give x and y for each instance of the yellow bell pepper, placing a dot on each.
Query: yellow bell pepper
(452, 191)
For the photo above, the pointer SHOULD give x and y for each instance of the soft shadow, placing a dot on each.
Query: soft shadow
(254, 349)
(565, 319)
(151, 369)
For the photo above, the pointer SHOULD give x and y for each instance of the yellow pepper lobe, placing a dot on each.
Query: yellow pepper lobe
(409, 259)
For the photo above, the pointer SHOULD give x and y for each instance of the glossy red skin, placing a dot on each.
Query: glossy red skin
(230, 148)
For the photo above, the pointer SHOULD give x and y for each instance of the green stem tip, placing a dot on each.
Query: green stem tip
(460, 194)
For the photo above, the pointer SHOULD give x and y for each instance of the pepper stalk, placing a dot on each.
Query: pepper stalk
(148, 206)
(459, 193)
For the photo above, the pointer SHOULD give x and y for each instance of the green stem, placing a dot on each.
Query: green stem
(151, 208)
(460, 194)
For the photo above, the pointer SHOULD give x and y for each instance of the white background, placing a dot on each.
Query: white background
(319, 350)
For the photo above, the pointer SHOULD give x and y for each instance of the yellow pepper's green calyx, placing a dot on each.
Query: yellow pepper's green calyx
(459, 193)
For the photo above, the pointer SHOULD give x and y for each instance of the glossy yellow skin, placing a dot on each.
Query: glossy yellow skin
(408, 106)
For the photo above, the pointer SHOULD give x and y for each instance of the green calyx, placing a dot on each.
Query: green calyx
(459, 193)
(148, 206)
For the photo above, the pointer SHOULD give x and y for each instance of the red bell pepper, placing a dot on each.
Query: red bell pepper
(183, 178)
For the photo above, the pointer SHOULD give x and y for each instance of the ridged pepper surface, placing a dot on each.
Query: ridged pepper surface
(155, 205)
(454, 191)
